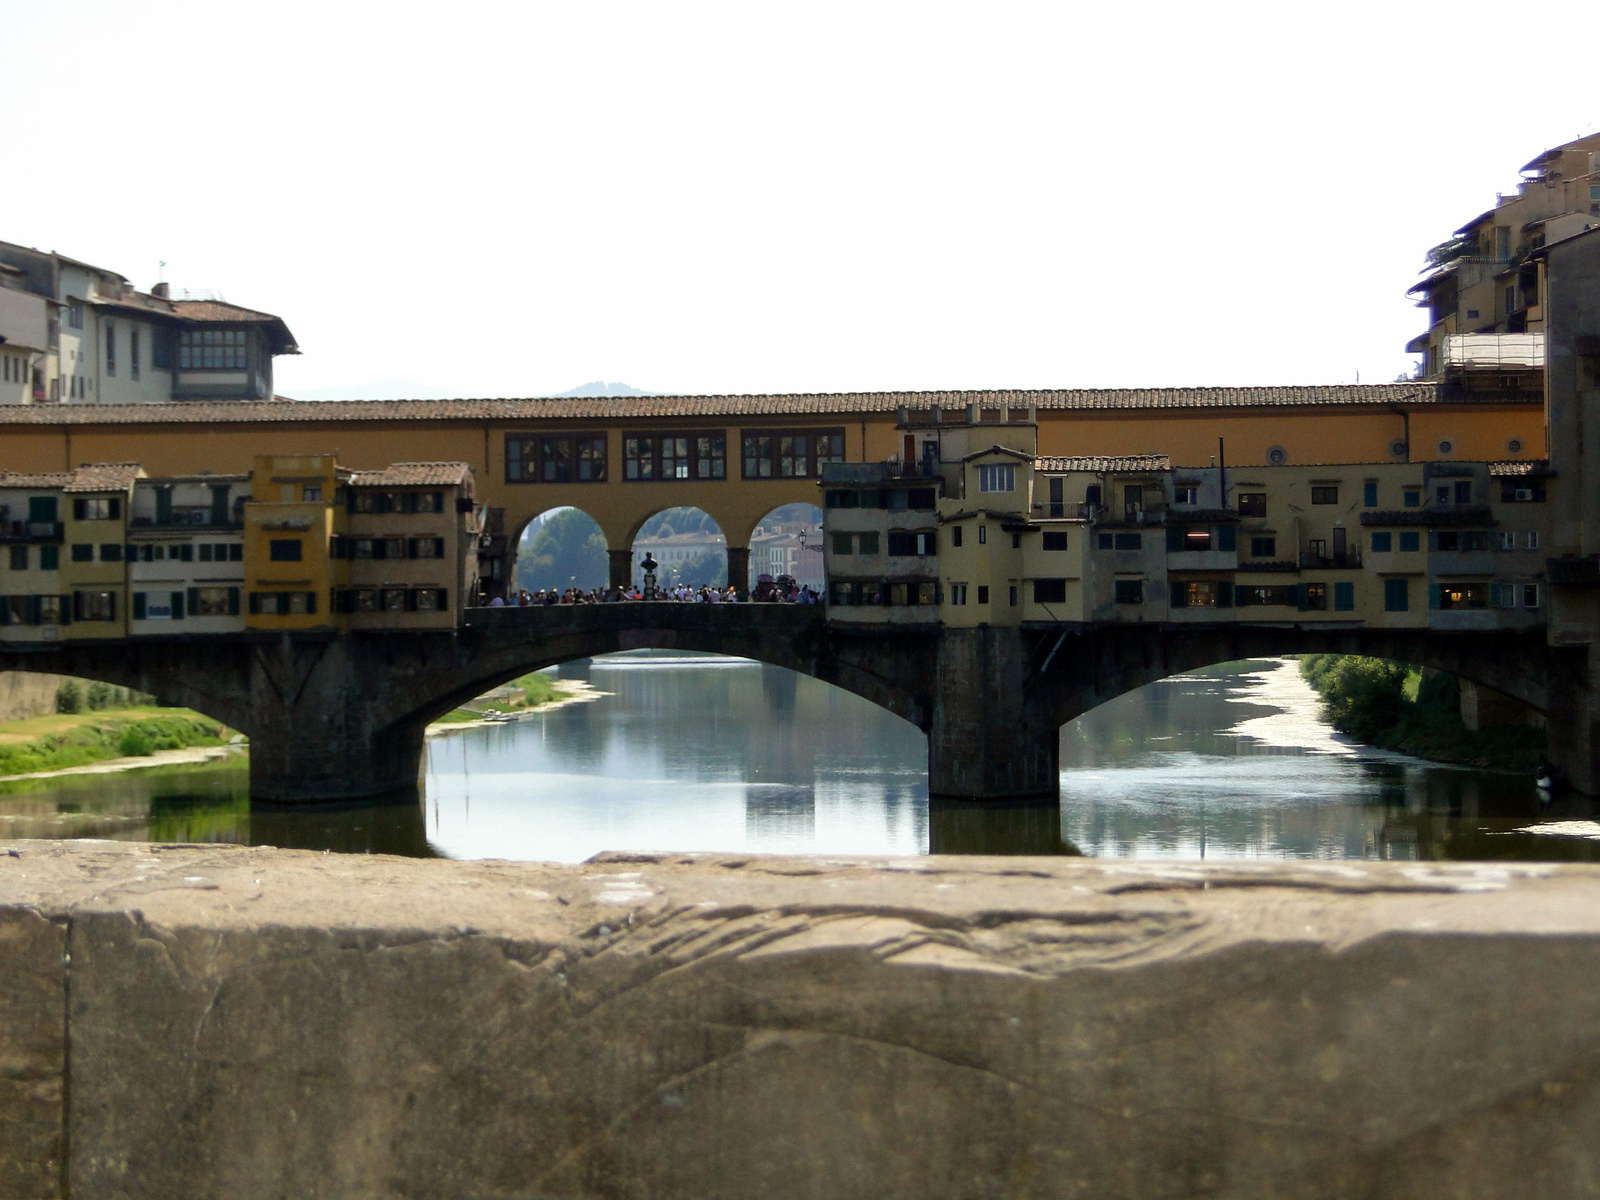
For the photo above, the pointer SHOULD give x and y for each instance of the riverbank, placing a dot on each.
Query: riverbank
(1396, 707)
(107, 740)
(525, 697)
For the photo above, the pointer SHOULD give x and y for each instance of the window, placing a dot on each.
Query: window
(1344, 597)
(1396, 595)
(958, 593)
(1013, 590)
(431, 600)
(841, 543)
(1105, 541)
(74, 313)
(1129, 541)
(1325, 494)
(283, 604)
(955, 536)
(1049, 591)
(669, 456)
(214, 601)
(1055, 539)
(790, 453)
(1129, 591)
(997, 477)
(1475, 539)
(1382, 543)
(285, 549)
(94, 606)
(983, 593)
(105, 508)
(1259, 595)
(49, 558)
(1263, 547)
(1463, 595)
(1197, 537)
(904, 545)
(1508, 539)
(558, 458)
(983, 534)
(1369, 493)
(1530, 595)
(42, 509)
(1201, 593)
(82, 552)
(19, 558)
(133, 353)
(1314, 597)
(1447, 540)
(1058, 507)
(111, 552)
(1186, 493)
(425, 547)
(311, 493)
(1530, 539)
(1252, 504)
(111, 348)
(214, 350)
(868, 543)
(1463, 491)
(1412, 497)
(1410, 543)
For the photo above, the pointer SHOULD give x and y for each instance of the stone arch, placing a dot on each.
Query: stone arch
(788, 540)
(572, 550)
(689, 543)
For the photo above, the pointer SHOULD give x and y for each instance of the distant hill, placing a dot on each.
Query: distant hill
(601, 388)
(404, 389)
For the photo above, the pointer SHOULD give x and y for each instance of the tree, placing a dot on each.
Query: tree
(568, 551)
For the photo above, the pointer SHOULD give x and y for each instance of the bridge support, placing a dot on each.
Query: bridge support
(739, 568)
(621, 562)
(986, 741)
(313, 736)
(1573, 716)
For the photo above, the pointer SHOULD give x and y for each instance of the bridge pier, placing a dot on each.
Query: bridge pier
(986, 741)
(621, 563)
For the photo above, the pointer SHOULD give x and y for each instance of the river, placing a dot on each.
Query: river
(690, 752)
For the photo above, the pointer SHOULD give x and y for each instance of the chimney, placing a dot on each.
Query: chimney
(160, 289)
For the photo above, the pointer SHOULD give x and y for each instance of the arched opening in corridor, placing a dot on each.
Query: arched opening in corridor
(561, 548)
(688, 544)
(787, 542)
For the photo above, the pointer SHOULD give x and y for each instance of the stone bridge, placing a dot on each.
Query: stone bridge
(340, 716)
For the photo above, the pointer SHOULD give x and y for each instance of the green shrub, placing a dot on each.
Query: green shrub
(135, 743)
(70, 697)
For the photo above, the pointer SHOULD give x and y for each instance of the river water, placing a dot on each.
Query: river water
(695, 752)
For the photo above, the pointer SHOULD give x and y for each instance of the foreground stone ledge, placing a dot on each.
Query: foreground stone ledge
(243, 1022)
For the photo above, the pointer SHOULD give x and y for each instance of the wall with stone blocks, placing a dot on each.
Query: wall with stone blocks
(26, 694)
(243, 1023)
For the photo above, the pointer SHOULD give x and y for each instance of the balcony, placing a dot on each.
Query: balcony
(1339, 560)
(31, 531)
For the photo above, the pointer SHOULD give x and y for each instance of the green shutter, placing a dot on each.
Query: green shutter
(138, 606)
(1180, 598)
(1433, 595)
(233, 602)
(444, 599)
(1225, 593)
(1174, 538)
(177, 606)
(194, 601)
(1227, 537)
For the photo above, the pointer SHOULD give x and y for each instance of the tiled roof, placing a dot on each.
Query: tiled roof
(103, 477)
(658, 408)
(201, 312)
(430, 474)
(34, 479)
(1101, 465)
(1531, 467)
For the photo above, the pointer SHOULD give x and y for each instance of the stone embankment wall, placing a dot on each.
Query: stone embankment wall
(25, 694)
(242, 1023)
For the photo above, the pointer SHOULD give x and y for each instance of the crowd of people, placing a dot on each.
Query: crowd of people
(678, 594)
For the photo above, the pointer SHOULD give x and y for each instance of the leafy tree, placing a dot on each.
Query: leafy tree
(567, 551)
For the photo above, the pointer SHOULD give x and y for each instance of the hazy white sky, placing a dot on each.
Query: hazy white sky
(513, 199)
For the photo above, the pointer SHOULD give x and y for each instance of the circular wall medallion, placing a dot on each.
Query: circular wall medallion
(1446, 446)
(1514, 446)
(1277, 456)
(1398, 448)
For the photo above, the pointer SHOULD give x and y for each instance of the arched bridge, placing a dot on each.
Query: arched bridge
(334, 716)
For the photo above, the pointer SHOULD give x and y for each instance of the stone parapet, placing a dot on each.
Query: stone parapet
(247, 1022)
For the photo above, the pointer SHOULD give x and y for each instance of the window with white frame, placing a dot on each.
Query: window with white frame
(997, 477)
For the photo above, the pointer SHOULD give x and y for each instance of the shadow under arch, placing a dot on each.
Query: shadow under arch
(788, 541)
(557, 548)
(688, 543)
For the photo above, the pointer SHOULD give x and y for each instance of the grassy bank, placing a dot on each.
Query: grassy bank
(75, 739)
(528, 692)
(1393, 706)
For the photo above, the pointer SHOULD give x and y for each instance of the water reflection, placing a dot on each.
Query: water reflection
(698, 753)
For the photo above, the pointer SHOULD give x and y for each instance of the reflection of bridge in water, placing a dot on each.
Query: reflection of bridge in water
(343, 716)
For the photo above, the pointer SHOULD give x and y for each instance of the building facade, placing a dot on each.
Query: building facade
(76, 333)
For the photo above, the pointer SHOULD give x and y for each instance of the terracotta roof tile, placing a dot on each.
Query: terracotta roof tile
(427, 474)
(1532, 467)
(34, 479)
(658, 408)
(103, 477)
(1100, 465)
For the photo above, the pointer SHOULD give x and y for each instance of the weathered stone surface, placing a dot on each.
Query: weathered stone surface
(257, 1023)
(32, 1051)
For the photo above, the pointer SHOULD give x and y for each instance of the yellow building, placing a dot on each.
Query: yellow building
(96, 502)
(290, 523)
